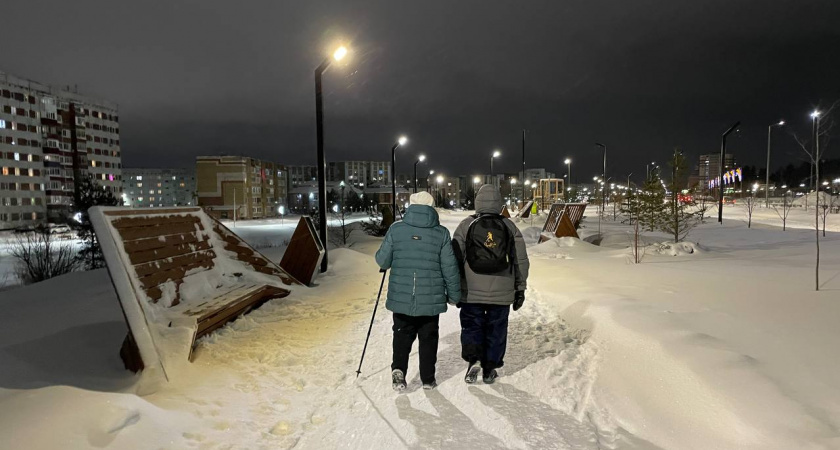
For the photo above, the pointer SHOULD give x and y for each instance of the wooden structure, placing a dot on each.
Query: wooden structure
(505, 211)
(525, 212)
(563, 220)
(302, 258)
(549, 192)
(179, 275)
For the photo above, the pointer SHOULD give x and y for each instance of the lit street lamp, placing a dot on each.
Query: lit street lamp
(647, 169)
(604, 176)
(495, 155)
(568, 162)
(338, 55)
(420, 159)
(767, 178)
(400, 142)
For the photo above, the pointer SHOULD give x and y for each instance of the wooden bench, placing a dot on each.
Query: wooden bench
(563, 220)
(179, 275)
(525, 212)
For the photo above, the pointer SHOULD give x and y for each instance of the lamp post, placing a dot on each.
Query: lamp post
(338, 55)
(568, 162)
(720, 167)
(341, 202)
(647, 169)
(420, 159)
(400, 142)
(438, 180)
(767, 177)
(604, 176)
(495, 155)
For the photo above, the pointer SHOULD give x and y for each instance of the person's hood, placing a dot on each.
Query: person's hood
(421, 216)
(488, 200)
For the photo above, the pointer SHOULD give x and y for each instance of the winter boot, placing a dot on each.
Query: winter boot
(490, 377)
(472, 372)
(429, 386)
(398, 380)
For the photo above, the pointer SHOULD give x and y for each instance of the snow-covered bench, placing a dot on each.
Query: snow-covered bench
(179, 275)
(563, 220)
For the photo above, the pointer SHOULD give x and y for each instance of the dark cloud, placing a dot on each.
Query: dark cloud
(205, 77)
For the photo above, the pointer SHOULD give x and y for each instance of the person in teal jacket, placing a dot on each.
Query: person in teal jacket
(424, 277)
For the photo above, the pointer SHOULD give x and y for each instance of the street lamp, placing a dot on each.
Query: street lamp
(720, 167)
(495, 155)
(420, 159)
(342, 197)
(400, 142)
(604, 175)
(337, 55)
(438, 180)
(647, 169)
(767, 177)
(568, 162)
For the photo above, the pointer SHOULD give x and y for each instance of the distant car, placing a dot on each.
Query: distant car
(729, 200)
(685, 199)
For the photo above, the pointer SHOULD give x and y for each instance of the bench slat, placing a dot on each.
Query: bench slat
(136, 222)
(129, 234)
(140, 257)
(151, 268)
(139, 245)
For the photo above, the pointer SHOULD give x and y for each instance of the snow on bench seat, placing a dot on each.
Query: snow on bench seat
(179, 275)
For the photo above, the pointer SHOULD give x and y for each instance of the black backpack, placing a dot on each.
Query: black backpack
(489, 245)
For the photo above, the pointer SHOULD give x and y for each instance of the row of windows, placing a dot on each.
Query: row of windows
(21, 187)
(23, 142)
(15, 201)
(98, 127)
(20, 111)
(18, 96)
(108, 141)
(20, 156)
(9, 125)
(106, 164)
(15, 217)
(98, 151)
(17, 171)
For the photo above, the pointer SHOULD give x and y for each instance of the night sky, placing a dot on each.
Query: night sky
(460, 78)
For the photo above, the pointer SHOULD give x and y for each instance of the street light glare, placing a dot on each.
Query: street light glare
(781, 122)
(340, 53)
(440, 179)
(476, 180)
(567, 161)
(402, 140)
(497, 154)
(815, 114)
(422, 158)
(431, 172)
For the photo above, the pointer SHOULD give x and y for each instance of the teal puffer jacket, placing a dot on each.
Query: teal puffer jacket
(424, 271)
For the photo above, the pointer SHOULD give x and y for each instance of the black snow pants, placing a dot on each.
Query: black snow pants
(484, 334)
(406, 329)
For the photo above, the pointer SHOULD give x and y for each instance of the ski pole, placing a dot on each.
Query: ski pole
(384, 272)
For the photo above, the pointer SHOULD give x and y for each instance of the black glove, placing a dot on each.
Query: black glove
(518, 300)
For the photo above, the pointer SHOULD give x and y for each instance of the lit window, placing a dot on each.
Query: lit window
(17, 156)
(139, 177)
(2, 123)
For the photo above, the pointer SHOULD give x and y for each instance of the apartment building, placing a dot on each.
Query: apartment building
(302, 175)
(149, 188)
(709, 168)
(50, 139)
(240, 187)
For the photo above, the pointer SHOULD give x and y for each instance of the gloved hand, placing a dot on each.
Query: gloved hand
(518, 300)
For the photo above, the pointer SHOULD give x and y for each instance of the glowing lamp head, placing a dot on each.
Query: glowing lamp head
(422, 158)
(431, 172)
(476, 180)
(340, 53)
(781, 122)
(402, 140)
(439, 179)
(513, 181)
(567, 161)
(815, 114)
(497, 154)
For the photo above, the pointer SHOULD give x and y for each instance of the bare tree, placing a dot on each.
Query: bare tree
(784, 212)
(40, 256)
(823, 123)
(751, 202)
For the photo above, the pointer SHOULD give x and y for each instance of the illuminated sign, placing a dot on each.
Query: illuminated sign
(729, 177)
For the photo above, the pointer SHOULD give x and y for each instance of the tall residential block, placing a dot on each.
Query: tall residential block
(51, 139)
(149, 188)
(240, 187)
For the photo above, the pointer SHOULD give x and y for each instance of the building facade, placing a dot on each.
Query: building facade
(50, 140)
(709, 168)
(239, 187)
(149, 188)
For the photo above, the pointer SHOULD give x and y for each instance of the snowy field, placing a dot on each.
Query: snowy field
(719, 343)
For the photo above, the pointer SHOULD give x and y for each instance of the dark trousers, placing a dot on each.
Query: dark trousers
(406, 329)
(484, 334)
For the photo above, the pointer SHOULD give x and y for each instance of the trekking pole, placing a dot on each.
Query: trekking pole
(384, 272)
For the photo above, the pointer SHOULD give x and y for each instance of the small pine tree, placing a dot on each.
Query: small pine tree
(679, 221)
(649, 206)
(90, 194)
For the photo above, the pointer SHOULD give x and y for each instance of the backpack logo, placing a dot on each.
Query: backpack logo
(416, 238)
(489, 242)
